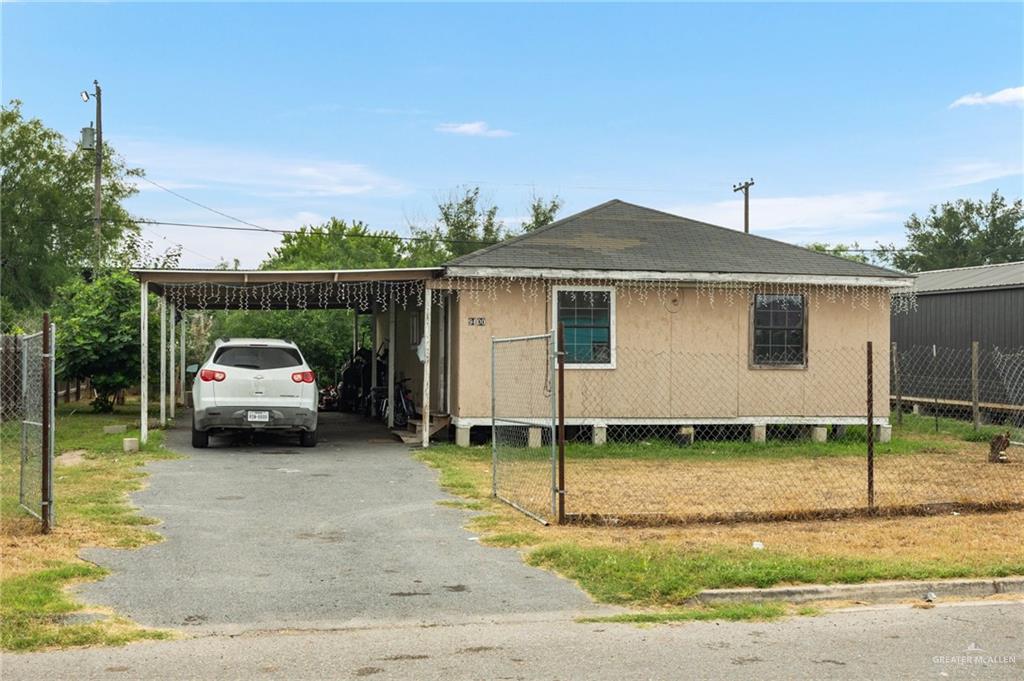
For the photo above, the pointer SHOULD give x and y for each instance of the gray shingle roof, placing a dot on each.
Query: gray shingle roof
(622, 236)
(1005, 275)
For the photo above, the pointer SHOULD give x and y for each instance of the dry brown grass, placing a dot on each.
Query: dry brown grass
(970, 538)
(719, 488)
(620, 488)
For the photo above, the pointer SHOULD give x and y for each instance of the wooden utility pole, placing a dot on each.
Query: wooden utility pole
(745, 188)
(97, 204)
(97, 180)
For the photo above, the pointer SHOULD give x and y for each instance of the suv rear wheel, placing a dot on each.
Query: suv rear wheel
(307, 438)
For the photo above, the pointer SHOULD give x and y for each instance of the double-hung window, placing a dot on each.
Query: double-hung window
(588, 315)
(779, 331)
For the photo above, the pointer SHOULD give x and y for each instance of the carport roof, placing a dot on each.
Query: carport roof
(275, 288)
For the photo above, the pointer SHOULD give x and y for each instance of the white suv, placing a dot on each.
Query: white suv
(254, 384)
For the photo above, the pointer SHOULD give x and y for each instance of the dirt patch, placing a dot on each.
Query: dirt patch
(368, 671)
(399, 658)
(406, 594)
(324, 537)
(478, 649)
(74, 457)
(456, 588)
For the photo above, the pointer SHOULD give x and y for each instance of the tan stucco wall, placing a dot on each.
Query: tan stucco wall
(689, 359)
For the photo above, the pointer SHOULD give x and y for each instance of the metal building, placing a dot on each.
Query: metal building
(957, 306)
(939, 366)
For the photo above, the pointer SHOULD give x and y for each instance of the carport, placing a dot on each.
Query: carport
(382, 293)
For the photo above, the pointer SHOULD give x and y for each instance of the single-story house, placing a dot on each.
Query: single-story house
(667, 321)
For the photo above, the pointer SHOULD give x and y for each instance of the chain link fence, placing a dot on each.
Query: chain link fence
(950, 387)
(27, 416)
(670, 436)
(522, 425)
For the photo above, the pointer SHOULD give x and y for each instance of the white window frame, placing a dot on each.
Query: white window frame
(610, 290)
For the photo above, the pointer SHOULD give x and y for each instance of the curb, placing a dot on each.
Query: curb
(873, 591)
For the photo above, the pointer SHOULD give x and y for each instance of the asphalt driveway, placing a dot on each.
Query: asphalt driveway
(266, 534)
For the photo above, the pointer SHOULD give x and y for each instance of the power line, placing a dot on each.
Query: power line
(232, 228)
(204, 206)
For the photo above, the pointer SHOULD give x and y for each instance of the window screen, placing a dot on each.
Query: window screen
(587, 319)
(779, 330)
(248, 357)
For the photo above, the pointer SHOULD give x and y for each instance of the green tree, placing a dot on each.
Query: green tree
(962, 233)
(336, 245)
(46, 203)
(98, 334)
(542, 212)
(464, 225)
(324, 336)
(848, 251)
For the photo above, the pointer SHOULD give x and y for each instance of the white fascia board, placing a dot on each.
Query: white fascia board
(681, 277)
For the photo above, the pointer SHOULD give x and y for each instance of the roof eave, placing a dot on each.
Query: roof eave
(681, 277)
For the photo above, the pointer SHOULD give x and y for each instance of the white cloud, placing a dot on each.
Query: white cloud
(473, 129)
(180, 165)
(802, 213)
(1011, 95)
(965, 173)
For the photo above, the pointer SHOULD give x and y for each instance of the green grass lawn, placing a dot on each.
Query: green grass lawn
(656, 574)
(92, 509)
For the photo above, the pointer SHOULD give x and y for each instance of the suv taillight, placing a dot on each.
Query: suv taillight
(303, 377)
(212, 375)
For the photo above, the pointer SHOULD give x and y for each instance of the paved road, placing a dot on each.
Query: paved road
(895, 643)
(271, 535)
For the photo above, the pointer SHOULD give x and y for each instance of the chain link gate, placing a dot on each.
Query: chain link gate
(523, 420)
(27, 393)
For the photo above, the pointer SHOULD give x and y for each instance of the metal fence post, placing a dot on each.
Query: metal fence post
(896, 384)
(871, 431)
(561, 423)
(975, 411)
(552, 379)
(494, 431)
(47, 422)
(935, 379)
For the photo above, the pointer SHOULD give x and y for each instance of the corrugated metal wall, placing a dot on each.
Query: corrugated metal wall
(951, 321)
(993, 318)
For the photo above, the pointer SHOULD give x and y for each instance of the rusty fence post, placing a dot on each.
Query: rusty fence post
(871, 431)
(561, 423)
(975, 410)
(46, 510)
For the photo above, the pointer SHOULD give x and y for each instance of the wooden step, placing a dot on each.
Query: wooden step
(438, 422)
(407, 437)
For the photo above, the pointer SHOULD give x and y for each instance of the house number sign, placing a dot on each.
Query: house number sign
(477, 321)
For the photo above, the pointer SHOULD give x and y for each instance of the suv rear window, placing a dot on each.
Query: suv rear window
(249, 357)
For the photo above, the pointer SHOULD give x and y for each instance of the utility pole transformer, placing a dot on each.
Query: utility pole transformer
(745, 188)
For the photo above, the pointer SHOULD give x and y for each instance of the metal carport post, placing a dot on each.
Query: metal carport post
(143, 362)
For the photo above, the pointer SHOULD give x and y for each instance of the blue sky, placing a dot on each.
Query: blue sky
(283, 114)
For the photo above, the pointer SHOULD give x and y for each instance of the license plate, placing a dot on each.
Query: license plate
(258, 416)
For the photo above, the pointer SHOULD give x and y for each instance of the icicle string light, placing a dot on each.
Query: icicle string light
(640, 291)
(367, 295)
